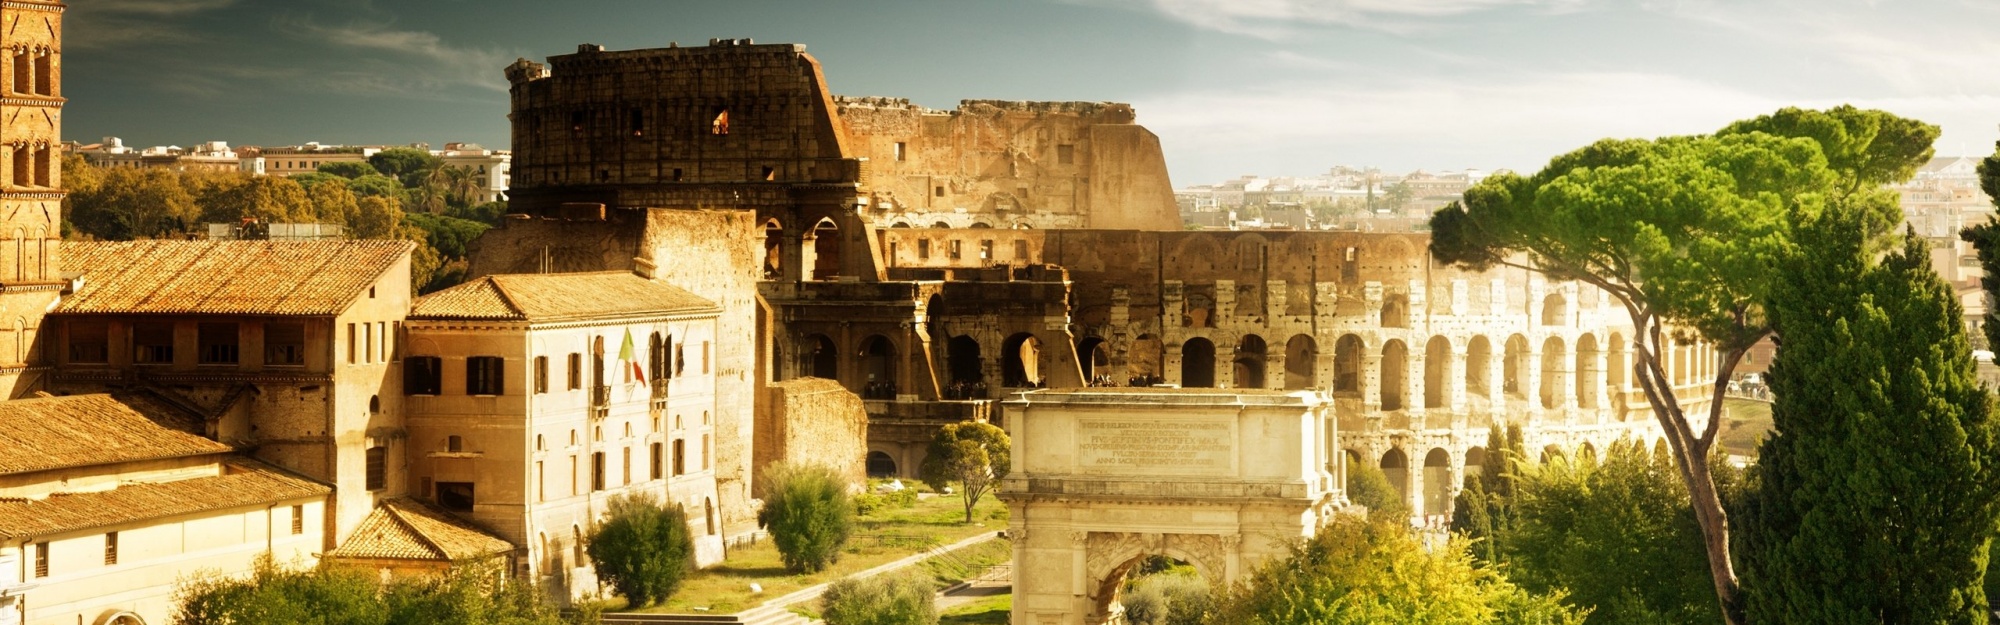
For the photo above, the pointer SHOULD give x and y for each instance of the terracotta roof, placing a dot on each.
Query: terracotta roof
(56, 432)
(226, 277)
(243, 484)
(405, 529)
(558, 297)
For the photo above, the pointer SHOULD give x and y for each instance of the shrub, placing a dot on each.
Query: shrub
(809, 514)
(1172, 598)
(335, 594)
(642, 549)
(1368, 486)
(891, 599)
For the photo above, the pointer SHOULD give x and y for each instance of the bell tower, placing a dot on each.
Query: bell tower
(31, 191)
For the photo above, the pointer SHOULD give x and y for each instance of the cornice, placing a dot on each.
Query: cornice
(36, 102)
(25, 5)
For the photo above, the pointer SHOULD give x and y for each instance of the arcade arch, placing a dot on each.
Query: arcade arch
(1301, 362)
(1347, 364)
(1094, 355)
(1478, 366)
(1395, 374)
(1249, 362)
(1198, 363)
(1021, 361)
(824, 241)
(818, 357)
(1437, 372)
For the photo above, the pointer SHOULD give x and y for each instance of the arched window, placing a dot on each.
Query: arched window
(1555, 310)
(1198, 363)
(1347, 364)
(1437, 372)
(1395, 373)
(1301, 362)
(1249, 362)
(1478, 366)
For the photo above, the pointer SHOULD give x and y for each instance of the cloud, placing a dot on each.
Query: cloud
(160, 8)
(399, 60)
(131, 23)
(1278, 19)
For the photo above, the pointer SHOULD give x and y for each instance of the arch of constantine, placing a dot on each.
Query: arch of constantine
(1102, 478)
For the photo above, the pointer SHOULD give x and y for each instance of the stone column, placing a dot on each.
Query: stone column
(800, 255)
(1455, 374)
(1274, 366)
(1371, 380)
(1415, 386)
(1531, 378)
(1170, 361)
(1598, 365)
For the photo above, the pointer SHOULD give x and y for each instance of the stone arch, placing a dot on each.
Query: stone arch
(824, 241)
(774, 247)
(1514, 367)
(1396, 311)
(1437, 482)
(1478, 366)
(1396, 466)
(1109, 556)
(1437, 372)
(980, 225)
(1475, 461)
(962, 360)
(119, 617)
(1249, 362)
(1301, 362)
(878, 367)
(1143, 360)
(900, 224)
(1347, 364)
(1094, 353)
(1395, 374)
(880, 464)
(818, 357)
(941, 226)
(1021, 361)
(1588, 378)
(1553, 357)
(1553, 452)
(1555, 310)
(1586, 452)
(1198, 363)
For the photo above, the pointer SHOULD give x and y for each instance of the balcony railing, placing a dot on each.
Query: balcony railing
(600, 401)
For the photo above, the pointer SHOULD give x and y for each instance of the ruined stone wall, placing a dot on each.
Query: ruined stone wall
(811, 421)
(999, 164)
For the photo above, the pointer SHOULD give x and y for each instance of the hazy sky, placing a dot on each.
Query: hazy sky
(1275, 87)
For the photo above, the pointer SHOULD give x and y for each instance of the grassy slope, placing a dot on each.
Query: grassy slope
(1744, 424)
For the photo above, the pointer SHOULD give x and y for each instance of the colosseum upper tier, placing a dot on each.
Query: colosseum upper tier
(932, 261)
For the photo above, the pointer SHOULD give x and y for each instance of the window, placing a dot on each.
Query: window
(924, 249)
(680, 456)
(625, 457)
(285, 344)
(43, 173)
(900, 154)
(377, 468)
(572, 475)
(770, 173)
(704, 452)
(454, 443)
(680, 359)
(939, 192)
(704, 356)
(721, 124)
(22, 160)
(44, 75)
(541, 490)
(657, 465)
(575, 371)
(89, 342)
(985, 250)
(954, 251)
(367, 343)
(374, 404)
(350, 344)
(382, 336)
(153, 343)
(110, 548)
(455, 496)
(23, 73)
(218, 343)
(638, 123)
(597, 470)
(1066, 154)
(298, 520)
(41, 559)
(484, 375)
(1020, 250)
(677, 174)
(541, 374)
(423, 375)
(656, 356)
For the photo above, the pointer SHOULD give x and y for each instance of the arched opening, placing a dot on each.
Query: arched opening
(1553, 453)
(1096, 359)
(1478, 366)
(881, 465)
(1198, 363)
(1142, 361)
(1475, 462)
(900, 224)
(824, 239)
(1396, 311)
(980, 225)
(774, 248)
(1021, 361)
(1395, 374)
(1126, 589)
(1553, 356)
(963, 363)
(1301, 362)
(819, 358)
(878, 368)
(1347, 364)
(1249, 362)
(1587, 383)
(1396, 467)
(1514, 368)
(1555, 310)
(1437, 373)
(1586, 453)
(1437, 482)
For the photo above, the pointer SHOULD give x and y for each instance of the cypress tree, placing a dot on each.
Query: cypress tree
(1876, 496)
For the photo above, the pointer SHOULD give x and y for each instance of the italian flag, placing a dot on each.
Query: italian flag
(630, 355)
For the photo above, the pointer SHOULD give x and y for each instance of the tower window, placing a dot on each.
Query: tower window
(721, 124)
(638, 123)
(901, 151)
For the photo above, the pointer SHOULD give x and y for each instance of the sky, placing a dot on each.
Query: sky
(1232, 87)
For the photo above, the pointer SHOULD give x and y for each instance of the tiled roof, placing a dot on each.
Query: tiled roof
(226, 277)
(56, 432)
(243, 483)
(558, 297)
(405, 529)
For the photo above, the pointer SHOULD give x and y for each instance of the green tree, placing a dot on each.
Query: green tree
(333, 204)
(888, 599)
(350, 170)
(1877, 498)
(1369, 487)
(128, 204)
(450, 235)
(489, 213)
(1617, 534)
(1483, 511)
(410, 165)
(312, 180)
(809, 514)
(268, 199)
(334, 594)
(377, 218)
(1169, 598)
(1375, 572)
(1685, 234)
(642, 549)
(972, 454)
(376, 186)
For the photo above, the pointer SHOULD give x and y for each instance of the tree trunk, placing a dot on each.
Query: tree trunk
(1691, 453)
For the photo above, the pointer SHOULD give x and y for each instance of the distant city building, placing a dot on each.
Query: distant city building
(298, 159)
(253, 230)
(490, 168)
(112, 153)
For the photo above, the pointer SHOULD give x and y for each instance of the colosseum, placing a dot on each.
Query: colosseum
(933, 262)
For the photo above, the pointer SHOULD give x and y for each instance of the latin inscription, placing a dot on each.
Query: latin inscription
(1154, 447)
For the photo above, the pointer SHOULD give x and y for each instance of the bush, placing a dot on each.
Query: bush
(642, 549)
(809, 514)
(872, 502)
(1368, 486)
(334, 594)
(891, 599)
(1172, 598)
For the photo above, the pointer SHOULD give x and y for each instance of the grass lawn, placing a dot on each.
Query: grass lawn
(1744, 424)
(881, 537)
(989, 611)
